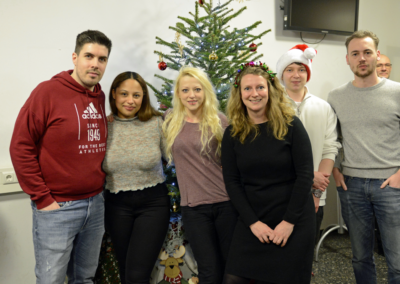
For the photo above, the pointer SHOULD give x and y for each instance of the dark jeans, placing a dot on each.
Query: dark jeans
(378, 239)
(209, 230)
(319, 216)
(137, 222)
(363, 198)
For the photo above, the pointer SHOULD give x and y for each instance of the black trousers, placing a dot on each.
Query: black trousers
(137, 222)
(319, 216)
(209, 230)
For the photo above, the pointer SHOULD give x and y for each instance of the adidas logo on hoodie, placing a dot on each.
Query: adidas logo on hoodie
(91, 112)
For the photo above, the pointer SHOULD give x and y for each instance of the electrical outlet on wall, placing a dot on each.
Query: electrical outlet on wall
(9, 177)
(8, 181)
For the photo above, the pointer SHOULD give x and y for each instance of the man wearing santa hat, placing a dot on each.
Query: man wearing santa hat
(294, 71)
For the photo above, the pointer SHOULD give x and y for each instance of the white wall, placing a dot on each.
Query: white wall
(37, 40)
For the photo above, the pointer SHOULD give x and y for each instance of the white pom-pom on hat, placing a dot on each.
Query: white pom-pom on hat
(310, 53)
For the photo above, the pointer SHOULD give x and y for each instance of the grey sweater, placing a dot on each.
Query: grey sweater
(369, 123)
(133, 155)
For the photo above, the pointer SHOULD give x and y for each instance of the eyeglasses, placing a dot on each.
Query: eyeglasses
(387, 65)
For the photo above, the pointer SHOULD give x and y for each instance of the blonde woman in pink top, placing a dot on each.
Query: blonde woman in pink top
(193, 130)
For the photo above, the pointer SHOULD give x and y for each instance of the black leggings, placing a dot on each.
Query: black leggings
(137, 222)
(233, 279)
(209, 230)
(319, 216)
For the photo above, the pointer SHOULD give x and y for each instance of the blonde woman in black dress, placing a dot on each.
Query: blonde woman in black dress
(268, 173)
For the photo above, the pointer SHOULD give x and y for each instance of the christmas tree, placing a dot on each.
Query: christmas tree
(211, 45)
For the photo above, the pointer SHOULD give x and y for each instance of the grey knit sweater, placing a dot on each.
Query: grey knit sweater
(369, 122)
(133, 155)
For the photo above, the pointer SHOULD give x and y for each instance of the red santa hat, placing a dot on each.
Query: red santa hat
(300, 53)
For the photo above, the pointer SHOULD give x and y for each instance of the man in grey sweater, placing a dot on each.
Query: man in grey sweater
(368, 177)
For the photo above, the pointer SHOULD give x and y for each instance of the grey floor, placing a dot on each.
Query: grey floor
(334, 263)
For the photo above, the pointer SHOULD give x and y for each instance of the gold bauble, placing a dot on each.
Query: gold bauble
(213, 56)
(175, 207)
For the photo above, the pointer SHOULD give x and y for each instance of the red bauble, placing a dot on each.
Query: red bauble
(163, 107)
(201, 2)
(253, 47)
(162, 65)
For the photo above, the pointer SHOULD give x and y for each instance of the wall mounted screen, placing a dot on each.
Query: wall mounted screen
(321, 16)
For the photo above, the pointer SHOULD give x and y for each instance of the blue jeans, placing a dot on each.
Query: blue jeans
(363, 198)
(67, 240)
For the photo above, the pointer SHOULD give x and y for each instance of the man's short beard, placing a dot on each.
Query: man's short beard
(369, 72)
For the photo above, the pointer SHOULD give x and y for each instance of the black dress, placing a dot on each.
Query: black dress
(269, 180)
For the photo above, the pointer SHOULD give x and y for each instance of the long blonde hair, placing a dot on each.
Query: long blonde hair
(210, 124)
(279, 112)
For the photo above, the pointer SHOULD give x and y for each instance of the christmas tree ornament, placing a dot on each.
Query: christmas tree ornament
(163, 106)
(213, 56)
(194, 280)
(241, 54)
(175, 207)
(177, 37)
(179, 43)
(253, 47)
(172, 272)
(201, 2)
(181, 46)
(162, 65)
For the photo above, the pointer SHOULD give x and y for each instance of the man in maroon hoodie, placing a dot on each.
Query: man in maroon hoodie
(57, 148)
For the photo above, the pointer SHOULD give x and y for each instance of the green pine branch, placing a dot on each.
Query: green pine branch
(205, 31)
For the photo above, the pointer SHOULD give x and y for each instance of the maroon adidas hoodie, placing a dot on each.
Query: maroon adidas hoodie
(59, 141)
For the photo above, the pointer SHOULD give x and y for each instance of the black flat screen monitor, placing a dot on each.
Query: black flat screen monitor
(321, 16)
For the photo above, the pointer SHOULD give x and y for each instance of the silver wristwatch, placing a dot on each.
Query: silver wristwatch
(317, 193)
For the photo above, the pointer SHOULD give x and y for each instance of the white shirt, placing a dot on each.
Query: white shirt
(319, 120)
